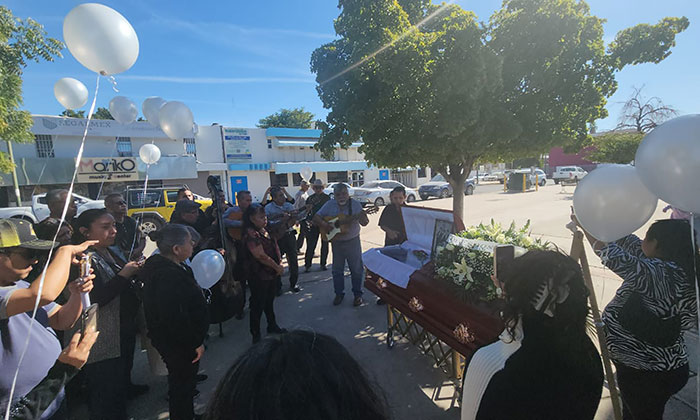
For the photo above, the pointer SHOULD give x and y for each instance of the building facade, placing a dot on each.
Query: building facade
(242, 158)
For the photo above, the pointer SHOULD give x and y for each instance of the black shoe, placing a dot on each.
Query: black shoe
(256, 338)
(202, 377)
(323, 268)
(307, 269)
(380, 301)
(358, 301)
(338, 299)
(275, 329)
(295, 289)
(136, 390)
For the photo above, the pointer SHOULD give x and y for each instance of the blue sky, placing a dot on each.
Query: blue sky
(234, 62)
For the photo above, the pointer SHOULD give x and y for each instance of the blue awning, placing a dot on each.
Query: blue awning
(327, 166)
(293, 133)
(248, 166)
(286, 142)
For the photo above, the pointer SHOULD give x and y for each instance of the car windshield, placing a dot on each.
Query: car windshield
(438, 178)
(371, 185)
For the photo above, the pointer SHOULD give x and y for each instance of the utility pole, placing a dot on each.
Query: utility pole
(18, 198)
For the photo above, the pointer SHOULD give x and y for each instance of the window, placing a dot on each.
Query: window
(190, 146)
(124, 147)
(44, 146)
(338, 176)
(269, 143)
(421, 173)
(296, 179)
(172, 196)
(389, 185)
(137, 198)
(278, 180)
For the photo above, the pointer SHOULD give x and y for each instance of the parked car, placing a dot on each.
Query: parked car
(39, 209)
(568, 173)
(329, 188)
(439, 187)
(492, 177)
(154, 208)
(541, 177)
(377, 192)
(503, 175)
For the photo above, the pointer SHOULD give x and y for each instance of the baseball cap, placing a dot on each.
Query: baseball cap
(20, 233)
(186, 205)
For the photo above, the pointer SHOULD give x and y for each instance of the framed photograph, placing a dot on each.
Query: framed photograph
(441, 234)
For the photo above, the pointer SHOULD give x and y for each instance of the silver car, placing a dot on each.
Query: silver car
(377, 192)
(329, 189)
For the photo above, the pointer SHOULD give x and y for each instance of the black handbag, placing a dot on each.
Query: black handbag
(646, 326)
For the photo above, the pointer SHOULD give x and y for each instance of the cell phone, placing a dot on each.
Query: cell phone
(88, 320)
(502, 256)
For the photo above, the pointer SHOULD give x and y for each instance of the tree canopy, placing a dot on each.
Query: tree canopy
(72, 113)
(102, 113)
(288, 118)
(615, 146)
(21, 41)
(422, 84)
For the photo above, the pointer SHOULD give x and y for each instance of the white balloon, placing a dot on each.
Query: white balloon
(176, 120)
(151, 107)
(668, 162)
(306, 172)
(123, 110)
(100, 38)
(149, 153)
(612, 202)
(70, 93)
(208, 266)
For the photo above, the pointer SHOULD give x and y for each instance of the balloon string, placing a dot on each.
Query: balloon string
(69, 197)
(113, 81)
(145, 187)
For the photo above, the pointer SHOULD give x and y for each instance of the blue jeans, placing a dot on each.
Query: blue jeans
(350, 251)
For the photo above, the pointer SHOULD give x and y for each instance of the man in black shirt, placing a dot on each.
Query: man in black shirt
(313, 204)
(129, 242)
(391, 220)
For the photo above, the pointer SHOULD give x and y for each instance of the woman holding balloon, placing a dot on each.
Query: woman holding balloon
(176, 314)
(644, 322)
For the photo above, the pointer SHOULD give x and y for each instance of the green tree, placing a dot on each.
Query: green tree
(615, 146)
(21, 41)
(288, 118)
(422, 84)
(102, 113)
(72, 114)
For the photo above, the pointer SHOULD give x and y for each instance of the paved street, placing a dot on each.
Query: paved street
(414, 389)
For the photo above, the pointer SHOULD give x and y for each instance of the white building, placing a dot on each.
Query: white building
(243, 158)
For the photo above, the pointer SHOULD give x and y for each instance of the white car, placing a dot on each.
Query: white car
(40, 210)
(329, 189)
(377, 193)
(568, 174)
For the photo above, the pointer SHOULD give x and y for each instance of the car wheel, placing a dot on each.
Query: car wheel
(411, 198)
(379, 202)
(444, 193)
(331, 195)
(469, 190)
(556, 181)
(423, 197)
(543, 182)
(149, 224)
(576, 179)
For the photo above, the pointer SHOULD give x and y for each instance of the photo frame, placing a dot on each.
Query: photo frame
(441, 234)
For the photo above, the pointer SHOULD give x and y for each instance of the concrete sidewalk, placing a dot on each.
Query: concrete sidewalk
(413, 388)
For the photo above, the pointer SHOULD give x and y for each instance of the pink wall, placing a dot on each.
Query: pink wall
(557, 157)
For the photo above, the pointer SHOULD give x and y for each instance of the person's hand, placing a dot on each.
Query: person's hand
(76, 251)
(279, 269)
(200, 351)
(222, 251)
(81, 285)
(130, 269)
(78, 351)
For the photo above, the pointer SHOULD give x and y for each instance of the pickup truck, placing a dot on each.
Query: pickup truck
(39, 210)
(571, 174)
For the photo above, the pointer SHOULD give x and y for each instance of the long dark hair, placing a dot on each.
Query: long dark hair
(524, 279)
(674, 242)
(85, 220)
(296, 375)
(251, 211)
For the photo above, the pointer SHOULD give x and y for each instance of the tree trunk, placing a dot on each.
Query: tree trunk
(457, 177)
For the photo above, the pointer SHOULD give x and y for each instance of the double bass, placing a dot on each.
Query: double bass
(227, 298)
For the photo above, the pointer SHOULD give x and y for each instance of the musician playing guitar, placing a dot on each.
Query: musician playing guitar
(279, 210)
(233, 220)
(346, 245)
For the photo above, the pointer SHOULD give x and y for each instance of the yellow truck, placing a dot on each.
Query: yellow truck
(153, 208)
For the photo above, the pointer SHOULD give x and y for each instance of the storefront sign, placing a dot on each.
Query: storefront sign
(237, 145)
(107, 169)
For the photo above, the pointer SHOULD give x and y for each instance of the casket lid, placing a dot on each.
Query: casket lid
(420, 224)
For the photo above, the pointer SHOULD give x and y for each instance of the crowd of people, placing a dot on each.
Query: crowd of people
(543, 366)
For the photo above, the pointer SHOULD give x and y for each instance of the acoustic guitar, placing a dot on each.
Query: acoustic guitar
(278, 226)
(235, 233)
(340, 223)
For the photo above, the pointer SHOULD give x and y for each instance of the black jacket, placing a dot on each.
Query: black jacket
(175, 307)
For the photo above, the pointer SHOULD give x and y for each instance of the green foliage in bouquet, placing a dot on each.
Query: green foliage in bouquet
(471, 269)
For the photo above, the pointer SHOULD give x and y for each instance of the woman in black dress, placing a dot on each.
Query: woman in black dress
(176, 315)
(265, 269)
